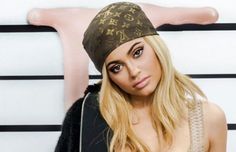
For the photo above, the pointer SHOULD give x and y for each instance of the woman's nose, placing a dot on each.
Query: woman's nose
(133, 69)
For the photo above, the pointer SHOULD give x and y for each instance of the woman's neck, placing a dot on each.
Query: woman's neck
(140, 102)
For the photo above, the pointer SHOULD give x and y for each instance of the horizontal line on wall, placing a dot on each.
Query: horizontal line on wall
(196, 27)
(60, 77)
(41, 77)
(29, 128)
(25, 28)
(166, 27)
(32, 77)
(231, 126)
(205, 76)
(49, 128)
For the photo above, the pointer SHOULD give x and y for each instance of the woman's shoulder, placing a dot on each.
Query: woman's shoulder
(94, 88)
(91, 90)
(213, 113)
(215, 125)
(214, 117)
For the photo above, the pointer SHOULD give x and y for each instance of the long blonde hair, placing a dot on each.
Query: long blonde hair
(174, 92)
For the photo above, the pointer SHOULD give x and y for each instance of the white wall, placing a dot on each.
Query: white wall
(40, 102)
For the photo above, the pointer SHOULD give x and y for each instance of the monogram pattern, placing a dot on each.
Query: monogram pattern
(114, 25)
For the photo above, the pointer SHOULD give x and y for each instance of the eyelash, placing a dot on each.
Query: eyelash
(140, 52)
(113, 68)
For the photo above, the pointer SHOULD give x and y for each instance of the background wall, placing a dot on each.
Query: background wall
(31, 69)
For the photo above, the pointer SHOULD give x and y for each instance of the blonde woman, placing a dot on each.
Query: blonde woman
(143, 104)
(71, 23)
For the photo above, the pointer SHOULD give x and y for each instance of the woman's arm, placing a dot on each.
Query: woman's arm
(70, 23)
(160, 15)
(216, 127)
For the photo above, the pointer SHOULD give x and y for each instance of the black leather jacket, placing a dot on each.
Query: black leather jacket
(84, 129)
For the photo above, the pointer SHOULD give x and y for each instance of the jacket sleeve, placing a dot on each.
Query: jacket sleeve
(70, 133)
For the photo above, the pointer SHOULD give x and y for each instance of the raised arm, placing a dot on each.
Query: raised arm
(70, 24)
(160, 15)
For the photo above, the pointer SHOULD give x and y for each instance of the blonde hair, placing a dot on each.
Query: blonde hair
(174, 92)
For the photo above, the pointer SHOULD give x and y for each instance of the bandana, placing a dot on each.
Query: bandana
(114, 25)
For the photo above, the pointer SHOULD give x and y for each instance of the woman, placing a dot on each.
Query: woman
(71, 23)
(144, 104)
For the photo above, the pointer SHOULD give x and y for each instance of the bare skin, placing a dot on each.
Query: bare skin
(71, 23)
(215, 136)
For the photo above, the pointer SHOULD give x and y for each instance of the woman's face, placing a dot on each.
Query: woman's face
(134, 67)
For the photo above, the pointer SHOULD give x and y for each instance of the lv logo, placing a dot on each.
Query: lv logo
(122, 35)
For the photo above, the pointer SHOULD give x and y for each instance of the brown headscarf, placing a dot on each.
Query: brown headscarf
(114, 25)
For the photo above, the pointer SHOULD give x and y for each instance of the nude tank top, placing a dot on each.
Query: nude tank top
(196, 128)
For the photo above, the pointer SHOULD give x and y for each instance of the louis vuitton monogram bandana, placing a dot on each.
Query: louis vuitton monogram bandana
(114, 25)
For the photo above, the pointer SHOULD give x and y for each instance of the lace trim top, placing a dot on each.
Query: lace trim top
(196, 128)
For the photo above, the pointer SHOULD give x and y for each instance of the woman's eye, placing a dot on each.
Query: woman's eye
(116, 68)
(138, 52)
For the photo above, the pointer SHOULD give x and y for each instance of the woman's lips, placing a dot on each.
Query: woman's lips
(142, 83)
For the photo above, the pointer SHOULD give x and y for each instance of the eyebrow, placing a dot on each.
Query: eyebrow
(131, 48)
